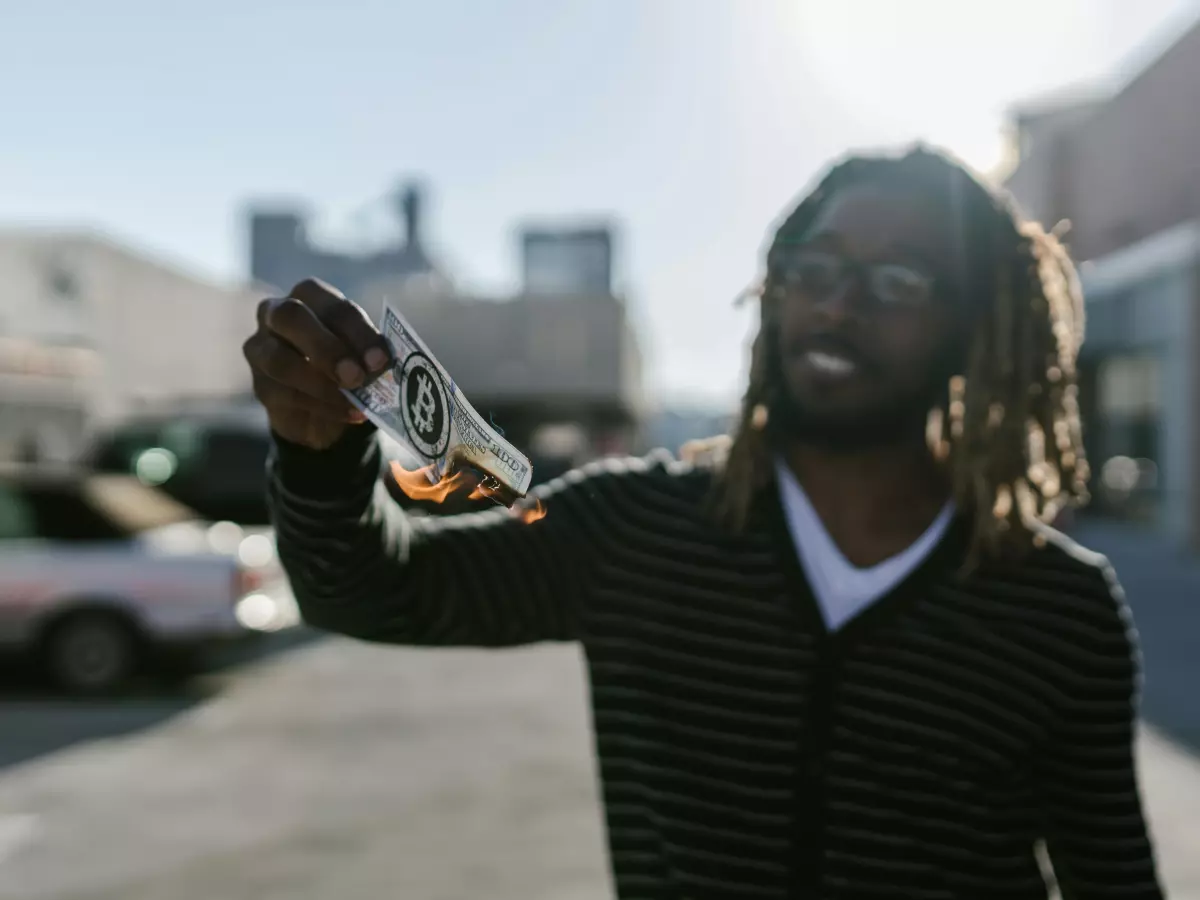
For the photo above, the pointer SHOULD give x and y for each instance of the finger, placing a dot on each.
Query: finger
(283, 399)
(347, 320)
(278, 360)
(298, 325)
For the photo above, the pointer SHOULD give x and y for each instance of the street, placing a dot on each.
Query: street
(332, 770)
(337, 769)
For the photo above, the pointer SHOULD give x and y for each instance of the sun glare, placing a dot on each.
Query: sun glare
(938, 70)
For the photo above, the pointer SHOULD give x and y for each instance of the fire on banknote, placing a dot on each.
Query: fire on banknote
(416, 485)
(417, 403)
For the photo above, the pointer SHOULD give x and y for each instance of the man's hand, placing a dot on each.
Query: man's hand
(307, 345)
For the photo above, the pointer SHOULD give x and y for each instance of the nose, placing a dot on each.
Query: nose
(845, 302)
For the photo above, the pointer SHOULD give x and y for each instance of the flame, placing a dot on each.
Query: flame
(416, 485)
(533, 513)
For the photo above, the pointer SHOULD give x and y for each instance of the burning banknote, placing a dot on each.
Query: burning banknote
(417, 403)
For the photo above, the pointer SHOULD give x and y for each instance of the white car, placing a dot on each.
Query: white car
(101, 575)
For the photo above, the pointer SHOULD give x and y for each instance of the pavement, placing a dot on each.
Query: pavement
(339, 769)
(336, 770)
(359, 772)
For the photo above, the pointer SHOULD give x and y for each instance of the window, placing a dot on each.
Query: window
(185, 439)
(1123, 437)
(1130, 386)
(55, 512)
(61, 513)
(61, 280)
(17, 518)
(219, 471)
(119, 451)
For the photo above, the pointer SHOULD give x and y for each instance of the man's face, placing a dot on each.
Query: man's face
(868, 315)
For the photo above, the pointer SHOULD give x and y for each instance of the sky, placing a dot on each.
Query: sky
(694, 122)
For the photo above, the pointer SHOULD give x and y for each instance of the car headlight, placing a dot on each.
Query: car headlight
(256, 551)
(257, 612)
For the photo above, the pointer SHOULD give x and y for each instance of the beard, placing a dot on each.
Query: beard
(849, 431)
(894, 418)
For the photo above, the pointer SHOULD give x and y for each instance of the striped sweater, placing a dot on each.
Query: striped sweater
(920, 751)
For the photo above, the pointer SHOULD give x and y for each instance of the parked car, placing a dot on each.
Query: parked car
(214, 462)
(101, 575)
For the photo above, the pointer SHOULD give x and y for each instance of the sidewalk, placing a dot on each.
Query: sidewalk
(358, 772)
(1170, 778)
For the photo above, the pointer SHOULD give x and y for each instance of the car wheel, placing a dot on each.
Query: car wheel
(91, 653)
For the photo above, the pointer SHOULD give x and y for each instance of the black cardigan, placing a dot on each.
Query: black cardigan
(745, 752)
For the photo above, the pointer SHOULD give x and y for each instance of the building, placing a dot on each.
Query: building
(96, 332)
(557, 365)
(567, 261)
(1139, 380)
(282, 253)
(561, 374)
(43, 399)
(1120, 166)
(1042, 133)
(1124, 169)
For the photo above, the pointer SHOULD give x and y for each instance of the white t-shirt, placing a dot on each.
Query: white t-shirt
(841, 589)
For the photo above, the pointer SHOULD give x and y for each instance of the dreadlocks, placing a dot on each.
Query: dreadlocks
(1008, 429)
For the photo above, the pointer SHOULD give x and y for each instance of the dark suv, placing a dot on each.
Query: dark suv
(216, 464)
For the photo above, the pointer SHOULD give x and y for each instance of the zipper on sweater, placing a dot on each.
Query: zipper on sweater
(811, 793)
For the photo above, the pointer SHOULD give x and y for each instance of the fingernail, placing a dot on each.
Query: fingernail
(375, 359)
(356, 415)
(349, 373)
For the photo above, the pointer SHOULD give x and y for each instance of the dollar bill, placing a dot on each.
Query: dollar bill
(417, 403)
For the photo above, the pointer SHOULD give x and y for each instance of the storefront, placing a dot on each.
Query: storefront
(1137, 375)
(43, 401)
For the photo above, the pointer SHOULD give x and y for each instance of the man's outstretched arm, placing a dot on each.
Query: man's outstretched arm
(360, 566)
(357, 564)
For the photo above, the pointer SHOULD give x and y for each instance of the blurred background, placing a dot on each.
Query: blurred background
(564, 198)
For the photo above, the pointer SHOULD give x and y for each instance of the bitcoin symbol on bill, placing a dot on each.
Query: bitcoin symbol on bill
(424, 406)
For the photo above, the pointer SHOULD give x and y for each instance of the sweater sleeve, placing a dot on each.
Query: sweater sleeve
(360, 566)
(1096, 832)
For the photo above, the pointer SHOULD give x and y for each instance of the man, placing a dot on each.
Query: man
(846, 660)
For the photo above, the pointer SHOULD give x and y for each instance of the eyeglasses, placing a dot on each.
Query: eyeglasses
(821, 273)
